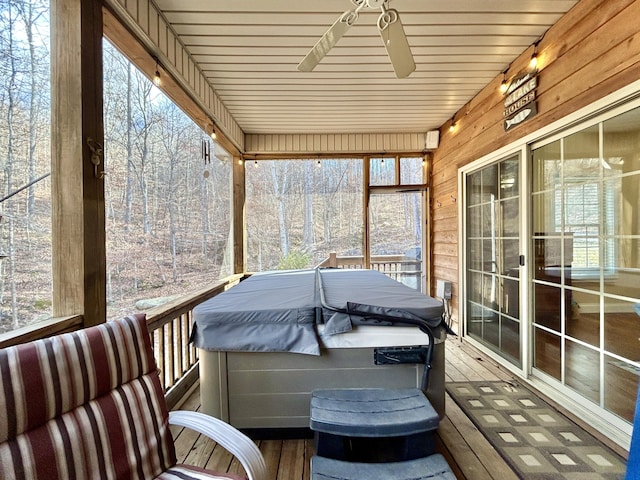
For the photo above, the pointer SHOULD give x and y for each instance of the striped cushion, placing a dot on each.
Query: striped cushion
(84, 405)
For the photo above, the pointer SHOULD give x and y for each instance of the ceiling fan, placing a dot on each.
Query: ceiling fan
(389, 26)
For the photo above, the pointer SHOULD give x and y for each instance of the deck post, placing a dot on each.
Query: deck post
(77, 186)
(238, 217)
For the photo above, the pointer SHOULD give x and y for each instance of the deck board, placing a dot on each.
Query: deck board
(271, 450)
(470, 455)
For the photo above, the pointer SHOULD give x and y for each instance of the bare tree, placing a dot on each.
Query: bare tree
(175, 130)
(280, 184)
(30, 13)
(129, 147)
(9, 211)
(308, 237)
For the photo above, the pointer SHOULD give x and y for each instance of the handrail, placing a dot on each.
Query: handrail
(334, 260)
(38, 330)
(159, 316)
(170, 326)
(394, 266)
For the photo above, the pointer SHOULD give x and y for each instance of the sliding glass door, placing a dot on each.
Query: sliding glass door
(492, 266)
(551, 264)
(586, 237)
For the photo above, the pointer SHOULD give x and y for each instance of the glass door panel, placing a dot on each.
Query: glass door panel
(586, 242)
(492, 215)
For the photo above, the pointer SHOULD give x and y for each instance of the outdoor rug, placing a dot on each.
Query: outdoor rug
(538, 442)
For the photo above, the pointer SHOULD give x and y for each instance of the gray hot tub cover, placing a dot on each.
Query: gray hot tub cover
(278, 311)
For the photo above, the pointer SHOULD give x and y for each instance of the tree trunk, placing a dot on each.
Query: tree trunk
(279, 187)
(307, 228)
(28, 17)
(129, 149)
(327, 202)
(204, 218)
(417, 215)
(144, 188)
(9, 208)
(172, 217)
(144, 90)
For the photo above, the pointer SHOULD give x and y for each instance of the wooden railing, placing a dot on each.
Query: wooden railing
(43, 329)
(394, 266)
(170, 326)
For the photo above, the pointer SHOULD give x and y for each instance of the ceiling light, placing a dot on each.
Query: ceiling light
(533, 63)
(157, 81)
(504, 86)
(213, 131)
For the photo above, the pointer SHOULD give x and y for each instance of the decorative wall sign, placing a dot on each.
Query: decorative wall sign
(520, 100)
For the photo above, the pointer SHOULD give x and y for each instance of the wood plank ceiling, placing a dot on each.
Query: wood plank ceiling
(249, 51)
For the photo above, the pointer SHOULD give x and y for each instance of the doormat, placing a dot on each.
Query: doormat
(538, 442)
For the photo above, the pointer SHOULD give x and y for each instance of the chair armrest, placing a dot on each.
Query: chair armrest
(234, 441)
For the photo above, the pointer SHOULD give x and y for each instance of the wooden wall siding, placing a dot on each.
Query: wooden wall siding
(589, 53)
(334, 143)
(159, 38)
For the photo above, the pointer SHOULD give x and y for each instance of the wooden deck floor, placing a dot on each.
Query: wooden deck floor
(470, 455)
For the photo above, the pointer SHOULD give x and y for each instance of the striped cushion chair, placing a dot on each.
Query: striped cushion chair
(89, 405)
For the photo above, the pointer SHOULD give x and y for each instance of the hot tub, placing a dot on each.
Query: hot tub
(266, 343)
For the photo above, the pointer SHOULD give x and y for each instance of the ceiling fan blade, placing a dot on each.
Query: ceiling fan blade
(328, 41)
(395, 41)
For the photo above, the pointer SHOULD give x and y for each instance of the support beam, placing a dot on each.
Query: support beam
(366, 241)
(239, 196)
(78, 225)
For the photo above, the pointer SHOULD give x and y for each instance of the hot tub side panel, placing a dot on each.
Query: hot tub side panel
(273, 390)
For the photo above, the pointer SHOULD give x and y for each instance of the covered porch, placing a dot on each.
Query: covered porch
(538, 294)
